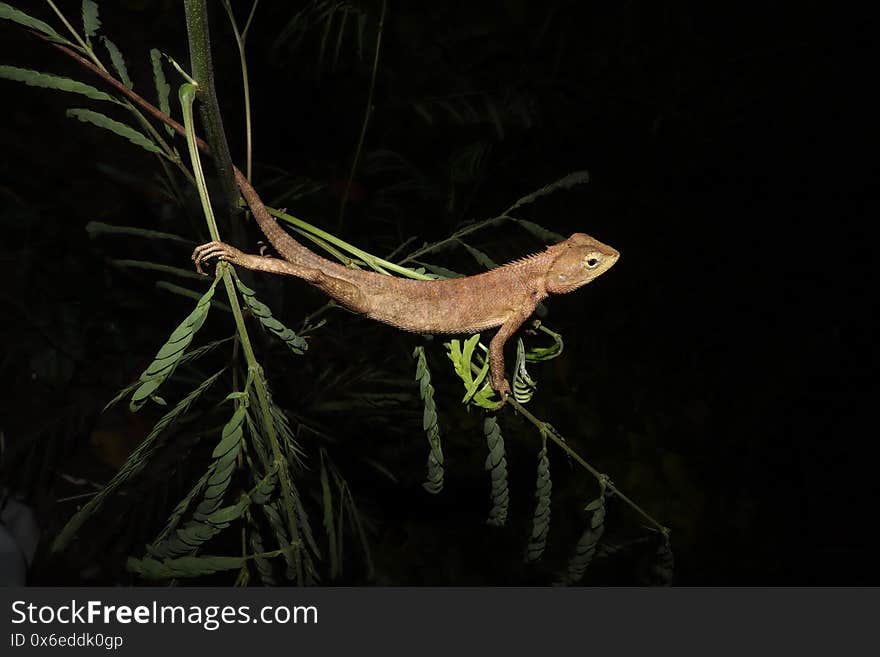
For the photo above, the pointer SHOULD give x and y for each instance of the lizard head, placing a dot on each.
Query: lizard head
(580, 259)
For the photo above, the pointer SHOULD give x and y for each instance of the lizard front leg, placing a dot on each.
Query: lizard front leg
(496, 348)
(233, 256)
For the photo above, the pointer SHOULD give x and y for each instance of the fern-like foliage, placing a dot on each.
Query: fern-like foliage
(434, 482)
(116, 127)
(12, 14)
(541, 517)
(169, 355)
(496, 464)
(135, 463)
(478, 390)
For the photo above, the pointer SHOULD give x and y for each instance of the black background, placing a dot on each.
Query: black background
(720, 373)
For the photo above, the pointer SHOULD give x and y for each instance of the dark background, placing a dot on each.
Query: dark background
(718, 373)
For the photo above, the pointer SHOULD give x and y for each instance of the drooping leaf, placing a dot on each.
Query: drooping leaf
(49, 81)
(102, 121)
(169, 355)
(434, 482)
(496, 464)
(541, 517)
(163, 89)
(585, 549)
(118, 62)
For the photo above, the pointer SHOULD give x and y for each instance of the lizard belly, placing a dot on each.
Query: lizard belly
(437, 314)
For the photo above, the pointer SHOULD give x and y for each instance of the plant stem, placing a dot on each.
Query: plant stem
(240, 37)
(547, 430)
(187, 95)
(209, 109)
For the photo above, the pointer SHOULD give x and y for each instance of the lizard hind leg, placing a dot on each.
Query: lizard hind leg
(345, 293)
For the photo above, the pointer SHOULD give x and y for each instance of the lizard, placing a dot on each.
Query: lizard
(503, 297)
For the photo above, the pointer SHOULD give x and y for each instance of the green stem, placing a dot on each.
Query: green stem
(240, 37)
(375, 262)
(452, 239)
(187, 96)
(368, 111)
(547, 430)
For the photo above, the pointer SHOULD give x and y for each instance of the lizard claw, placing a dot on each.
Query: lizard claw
(503, 390)
(214, 249)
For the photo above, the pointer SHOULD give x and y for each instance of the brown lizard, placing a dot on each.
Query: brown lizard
(505, 296)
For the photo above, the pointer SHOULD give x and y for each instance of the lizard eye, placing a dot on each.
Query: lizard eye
(592, 262)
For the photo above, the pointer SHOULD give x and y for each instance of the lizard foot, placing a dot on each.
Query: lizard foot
(217, 250)
(502, 387)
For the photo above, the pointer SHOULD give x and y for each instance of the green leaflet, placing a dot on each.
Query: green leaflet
(118, 62)
(566, 182)
(187, 357)
(163, 89)
(171, 352)
(134, 464)
(496, 464)
(91, 22)
(98, 119)
(541, 517)
(262, 312)
(224, 455)
(49, 81)
(16, 16)
(434, 483)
